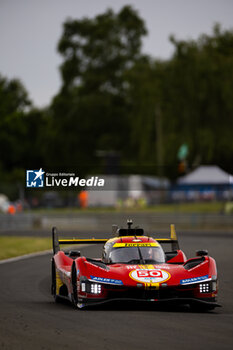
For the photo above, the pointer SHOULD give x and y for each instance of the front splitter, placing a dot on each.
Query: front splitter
(177, 301)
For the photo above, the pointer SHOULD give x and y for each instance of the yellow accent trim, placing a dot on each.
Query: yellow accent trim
(155, 285)
(73, 240)
(150, 267)
(118, 238)
(152, 286)
(59, 282)
(173, 232)
(143, 244)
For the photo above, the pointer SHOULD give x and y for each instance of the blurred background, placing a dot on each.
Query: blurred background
(138, 93)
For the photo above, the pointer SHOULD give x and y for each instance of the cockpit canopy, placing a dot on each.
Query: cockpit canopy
(133, 253)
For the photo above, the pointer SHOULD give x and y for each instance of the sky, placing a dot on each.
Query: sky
(30, 30)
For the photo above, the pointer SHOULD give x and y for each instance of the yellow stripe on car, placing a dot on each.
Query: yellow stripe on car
(152, 286)
(149, 267)
(143, 244)
(59, 283)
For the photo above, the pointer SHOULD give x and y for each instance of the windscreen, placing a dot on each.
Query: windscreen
(137, 255)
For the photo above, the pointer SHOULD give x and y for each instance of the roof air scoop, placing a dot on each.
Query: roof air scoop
(130, 231)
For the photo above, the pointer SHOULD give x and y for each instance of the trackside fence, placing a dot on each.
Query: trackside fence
(97, 222)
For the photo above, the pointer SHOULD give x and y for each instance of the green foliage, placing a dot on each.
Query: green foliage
(23, 136)
(193, 91)
(13, 104)
(97, 51)
(92, 108)
(203, 77)
(22, 128)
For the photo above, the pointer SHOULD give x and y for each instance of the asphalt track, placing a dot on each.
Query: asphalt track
(29, 318)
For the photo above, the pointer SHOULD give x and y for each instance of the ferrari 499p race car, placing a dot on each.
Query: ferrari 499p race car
(133, 267)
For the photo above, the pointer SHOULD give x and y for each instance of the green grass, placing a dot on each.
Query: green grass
(15, 246)
(199, 207)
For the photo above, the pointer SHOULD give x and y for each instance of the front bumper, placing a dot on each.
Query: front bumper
(177, 295)
(176, 301)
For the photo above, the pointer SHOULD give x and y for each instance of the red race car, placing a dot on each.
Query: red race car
(134, 267)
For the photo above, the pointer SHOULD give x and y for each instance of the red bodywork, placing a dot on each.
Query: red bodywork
(88, 281)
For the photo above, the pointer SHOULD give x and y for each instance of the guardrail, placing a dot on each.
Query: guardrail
(103, 221)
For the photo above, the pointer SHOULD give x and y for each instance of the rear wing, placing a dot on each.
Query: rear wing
(172, 240)
(56, 242)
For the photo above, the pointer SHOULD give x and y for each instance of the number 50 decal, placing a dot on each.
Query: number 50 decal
(150, 276)
(150, 273)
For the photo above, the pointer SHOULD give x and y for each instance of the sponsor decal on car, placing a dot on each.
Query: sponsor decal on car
(195, 279)
(165, 266)
(132, 267)
(150, 275)
(106, 280)
(148, 267)
(119, 245)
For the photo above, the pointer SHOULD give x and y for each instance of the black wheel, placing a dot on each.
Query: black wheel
(74, 285)
(54, 282)
(53, 278)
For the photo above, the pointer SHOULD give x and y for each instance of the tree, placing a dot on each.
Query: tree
(201, 74)
(146, 79)
(14, 103)
(97, 51)
(91, 108)
(193, 92)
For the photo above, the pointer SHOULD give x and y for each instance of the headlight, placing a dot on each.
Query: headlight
(95, 288)
(204, 288)
(92, 288)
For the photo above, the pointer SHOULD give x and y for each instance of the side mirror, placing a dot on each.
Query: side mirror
(201, 252)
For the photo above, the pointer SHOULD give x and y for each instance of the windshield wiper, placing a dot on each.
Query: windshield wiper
(142, 261)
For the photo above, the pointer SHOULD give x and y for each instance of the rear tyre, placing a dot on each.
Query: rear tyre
(53, 278)
(54, 282)
(74, 286)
